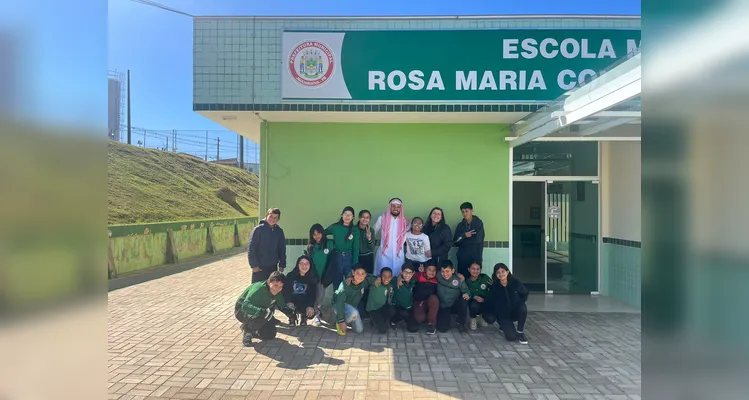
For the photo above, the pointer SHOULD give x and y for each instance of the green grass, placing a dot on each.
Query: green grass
(147, 185)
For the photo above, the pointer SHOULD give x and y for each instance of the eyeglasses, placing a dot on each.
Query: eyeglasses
(417, 224)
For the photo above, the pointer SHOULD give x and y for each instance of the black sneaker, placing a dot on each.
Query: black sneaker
(303, 321)
(292, 321)
(462, 328)
(430, 329)
(393, 326)
(247, 339)
(522, 339)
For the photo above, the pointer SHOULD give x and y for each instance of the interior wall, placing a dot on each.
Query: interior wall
(621, 270)
(621, 194)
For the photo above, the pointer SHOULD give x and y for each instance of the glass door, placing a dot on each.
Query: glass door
(572, 237)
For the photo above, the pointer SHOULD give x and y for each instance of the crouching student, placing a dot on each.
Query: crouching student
(453, 297)
(426, 303)
(507, 297)
(347, 297)
(379, 301)
(478, 285)
(299, 292)
(403, 300)
(255, 307)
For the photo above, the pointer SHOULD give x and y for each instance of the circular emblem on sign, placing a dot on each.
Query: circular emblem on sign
(483, 286)
(311, 63)
(455, 282)
(326, 251)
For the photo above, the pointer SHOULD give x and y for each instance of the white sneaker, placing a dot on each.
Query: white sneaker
(316, 321)
(482, 322)
(473, 324)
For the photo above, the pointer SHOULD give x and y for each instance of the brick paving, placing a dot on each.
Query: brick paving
(177, 338)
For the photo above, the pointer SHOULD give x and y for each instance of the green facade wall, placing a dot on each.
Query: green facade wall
(132, 253)
(313, 170)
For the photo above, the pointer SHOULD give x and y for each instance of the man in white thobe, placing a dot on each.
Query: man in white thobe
(393, 227)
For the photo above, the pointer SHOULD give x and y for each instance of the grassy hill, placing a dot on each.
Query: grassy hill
(147, 185)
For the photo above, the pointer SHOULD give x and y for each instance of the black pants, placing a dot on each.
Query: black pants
(460, 307)
(381, 317)
(464, 262)
(367, 260)
(417, 264)
(475, 309)
(263, 274)
(403, 314)
(507, 321)
(300, 307)
(264, 329)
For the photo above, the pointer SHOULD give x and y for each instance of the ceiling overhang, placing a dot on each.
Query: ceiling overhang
(247, 123)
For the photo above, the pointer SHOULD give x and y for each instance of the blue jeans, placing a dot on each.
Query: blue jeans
(352, 318)
(345, 263)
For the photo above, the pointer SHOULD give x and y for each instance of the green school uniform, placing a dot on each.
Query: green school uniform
(479, 287)
(256, 299)
(403, 295)
(380, 295)
(320, 256)
(350, 294)
(344, 241)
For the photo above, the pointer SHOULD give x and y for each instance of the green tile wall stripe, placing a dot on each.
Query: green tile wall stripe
(621, 272)
(468, 108)
(622, 242)
(491, 244)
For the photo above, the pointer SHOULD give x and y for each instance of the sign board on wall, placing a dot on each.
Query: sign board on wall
(501, 65)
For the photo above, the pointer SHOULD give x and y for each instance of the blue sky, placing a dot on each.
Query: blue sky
(156, 45)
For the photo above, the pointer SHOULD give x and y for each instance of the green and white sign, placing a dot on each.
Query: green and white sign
(503, 65)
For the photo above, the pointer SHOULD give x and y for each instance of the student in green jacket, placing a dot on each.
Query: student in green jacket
(347, 297)
(255, 307)
(319, 248)
(479, 285)
(380, 299)
(346, 239)
(453, 295)
(403, 299)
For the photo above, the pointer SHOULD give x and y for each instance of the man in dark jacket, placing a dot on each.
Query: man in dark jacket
(267, 248)
(469, 238)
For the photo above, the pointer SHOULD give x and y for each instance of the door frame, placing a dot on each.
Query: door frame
(550, 179)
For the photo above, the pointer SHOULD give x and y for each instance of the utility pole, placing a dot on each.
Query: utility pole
(129, 127)
(241, 151)
(206, 145)
(174, 141)
(167, 145)
(144, 138)
(218, 146)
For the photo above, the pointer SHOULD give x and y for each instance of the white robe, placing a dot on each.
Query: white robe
(394, 257)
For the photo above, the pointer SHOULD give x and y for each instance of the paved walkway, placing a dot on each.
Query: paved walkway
(177, 338)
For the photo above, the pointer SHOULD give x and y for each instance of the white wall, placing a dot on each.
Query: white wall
(620, 190)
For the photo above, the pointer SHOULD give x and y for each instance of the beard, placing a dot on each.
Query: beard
(395, 213)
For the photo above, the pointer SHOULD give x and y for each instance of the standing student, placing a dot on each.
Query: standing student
(366, 241)
(440, 236)
(403, 300)
(478, 285)
(453, 296)
(347, 297)
(255, 307)
(366, 253)
(469, 238)
(266, 251)
(426, 303)
(380, 299)
(299, 291)
(507, 297)
(319, 249)
(417, 244)
(346, 239)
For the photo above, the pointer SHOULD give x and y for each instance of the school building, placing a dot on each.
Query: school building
(533, 119)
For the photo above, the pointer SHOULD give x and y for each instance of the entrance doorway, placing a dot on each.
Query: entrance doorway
(528, 234)
(555, 235)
